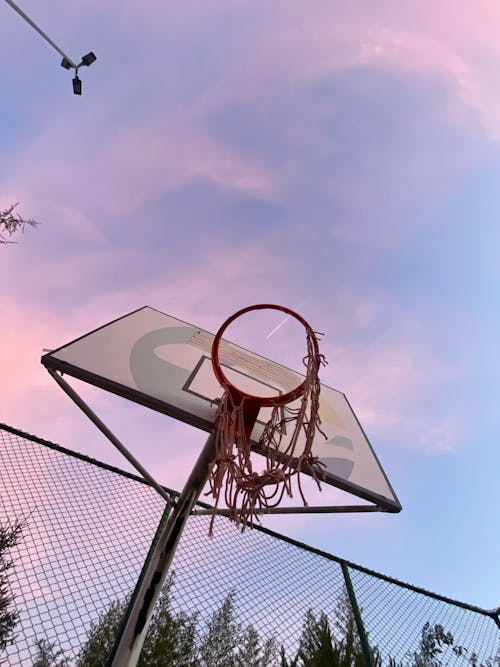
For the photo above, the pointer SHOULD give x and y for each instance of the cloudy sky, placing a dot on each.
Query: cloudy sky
(340, 157)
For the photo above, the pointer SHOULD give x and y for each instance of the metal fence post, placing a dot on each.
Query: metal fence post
(365, 646)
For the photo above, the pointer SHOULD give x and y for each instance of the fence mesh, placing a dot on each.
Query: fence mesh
(88, 528)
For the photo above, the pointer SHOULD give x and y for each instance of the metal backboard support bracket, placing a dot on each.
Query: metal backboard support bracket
(86, 409)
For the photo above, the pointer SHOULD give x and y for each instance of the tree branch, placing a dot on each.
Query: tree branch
(11, 222)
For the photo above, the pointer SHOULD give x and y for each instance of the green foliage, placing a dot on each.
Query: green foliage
(252, 654)
(489, 662)
(11, 222)
(101, 636)
(335, 644)
(227, 644)
(320, 646)
(437, 647)
(284, 662)
(171, 638)
(433, 642)
(9, 537)
(175, 639)
(218, 647)
(249, 652)
(49, 655)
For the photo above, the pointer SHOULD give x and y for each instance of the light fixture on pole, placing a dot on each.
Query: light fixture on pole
(87, 60)
(67, 63)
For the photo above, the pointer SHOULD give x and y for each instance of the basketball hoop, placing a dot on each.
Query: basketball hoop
(246, 492)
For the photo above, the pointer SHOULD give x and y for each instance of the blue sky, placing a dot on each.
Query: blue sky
(341, 156)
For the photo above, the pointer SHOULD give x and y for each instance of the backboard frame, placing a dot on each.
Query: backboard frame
(54, 364)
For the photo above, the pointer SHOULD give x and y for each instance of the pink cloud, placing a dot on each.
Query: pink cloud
(32, 401)
(148, 155)
(388, 376)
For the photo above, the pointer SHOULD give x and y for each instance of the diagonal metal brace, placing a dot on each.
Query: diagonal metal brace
(68, 389)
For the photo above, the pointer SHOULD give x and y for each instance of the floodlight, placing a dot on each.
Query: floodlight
(89, 59)
(77, 85)
(66, 62)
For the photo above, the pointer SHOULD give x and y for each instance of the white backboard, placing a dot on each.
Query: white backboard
(164, 363)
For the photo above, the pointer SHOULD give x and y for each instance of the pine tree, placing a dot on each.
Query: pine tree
(318, 647)
(9, 537)
(49, 655)
(218, 647)
(101, 636)
(170, 640)
(337, 645)
(254, 654)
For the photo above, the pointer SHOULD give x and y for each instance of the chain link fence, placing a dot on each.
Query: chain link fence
(88, 527)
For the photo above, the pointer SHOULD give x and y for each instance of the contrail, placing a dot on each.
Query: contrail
(283, 321)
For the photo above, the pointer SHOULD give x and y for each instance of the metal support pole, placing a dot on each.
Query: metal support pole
(39, 31)
(134, 597)
(128, 647)
(109, 434)
(365, 646)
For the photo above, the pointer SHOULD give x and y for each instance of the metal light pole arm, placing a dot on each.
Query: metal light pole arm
(39, 31)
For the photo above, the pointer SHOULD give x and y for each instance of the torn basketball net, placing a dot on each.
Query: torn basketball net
(248, 493)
